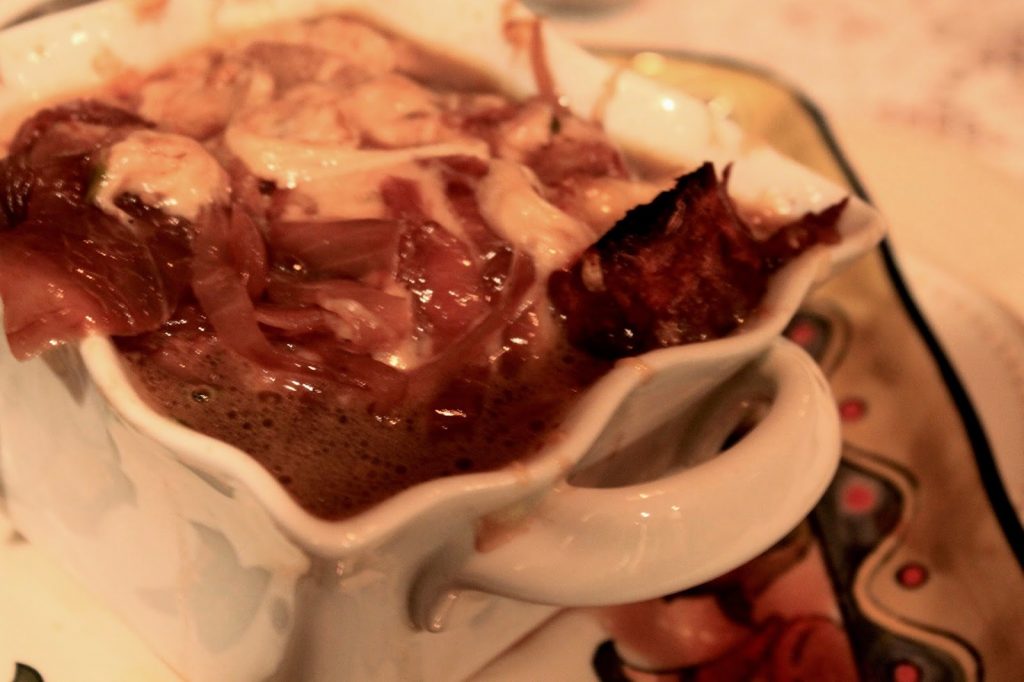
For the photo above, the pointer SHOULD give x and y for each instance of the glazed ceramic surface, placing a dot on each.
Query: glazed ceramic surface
(205, 555)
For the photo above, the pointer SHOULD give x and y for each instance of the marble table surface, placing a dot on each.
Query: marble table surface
(952, 68)
(927, 97)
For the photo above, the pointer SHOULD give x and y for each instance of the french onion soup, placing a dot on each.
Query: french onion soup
(362, 266)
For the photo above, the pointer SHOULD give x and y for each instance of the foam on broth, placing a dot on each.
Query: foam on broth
(337, 455)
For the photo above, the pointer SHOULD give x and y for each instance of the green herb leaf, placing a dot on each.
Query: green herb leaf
(95, 180)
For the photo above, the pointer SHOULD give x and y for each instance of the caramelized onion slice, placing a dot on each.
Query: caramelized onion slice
(362, 318)
(342, 248)
(85, 112)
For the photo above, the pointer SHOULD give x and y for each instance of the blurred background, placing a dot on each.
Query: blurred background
(926, 96)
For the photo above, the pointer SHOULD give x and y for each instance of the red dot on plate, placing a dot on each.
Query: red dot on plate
(904, 671)
(858, 497)
(912, 575)
(852, 409)
(802, 333)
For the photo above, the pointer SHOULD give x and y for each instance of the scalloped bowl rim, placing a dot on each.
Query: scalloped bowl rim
(647, 124)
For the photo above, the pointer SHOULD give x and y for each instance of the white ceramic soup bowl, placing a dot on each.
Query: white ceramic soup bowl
(209, 559)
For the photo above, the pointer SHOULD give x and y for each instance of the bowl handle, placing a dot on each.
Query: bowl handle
(595, 546)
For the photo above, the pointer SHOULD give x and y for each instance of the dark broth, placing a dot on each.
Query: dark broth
(337, 455)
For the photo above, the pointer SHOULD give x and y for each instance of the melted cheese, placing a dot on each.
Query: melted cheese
(292, 164)
(512, 206)
(170, 172)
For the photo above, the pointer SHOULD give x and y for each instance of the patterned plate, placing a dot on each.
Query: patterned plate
(910, 567)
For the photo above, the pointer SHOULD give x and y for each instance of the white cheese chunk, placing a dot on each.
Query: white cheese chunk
(512, 206)
(170, 172)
